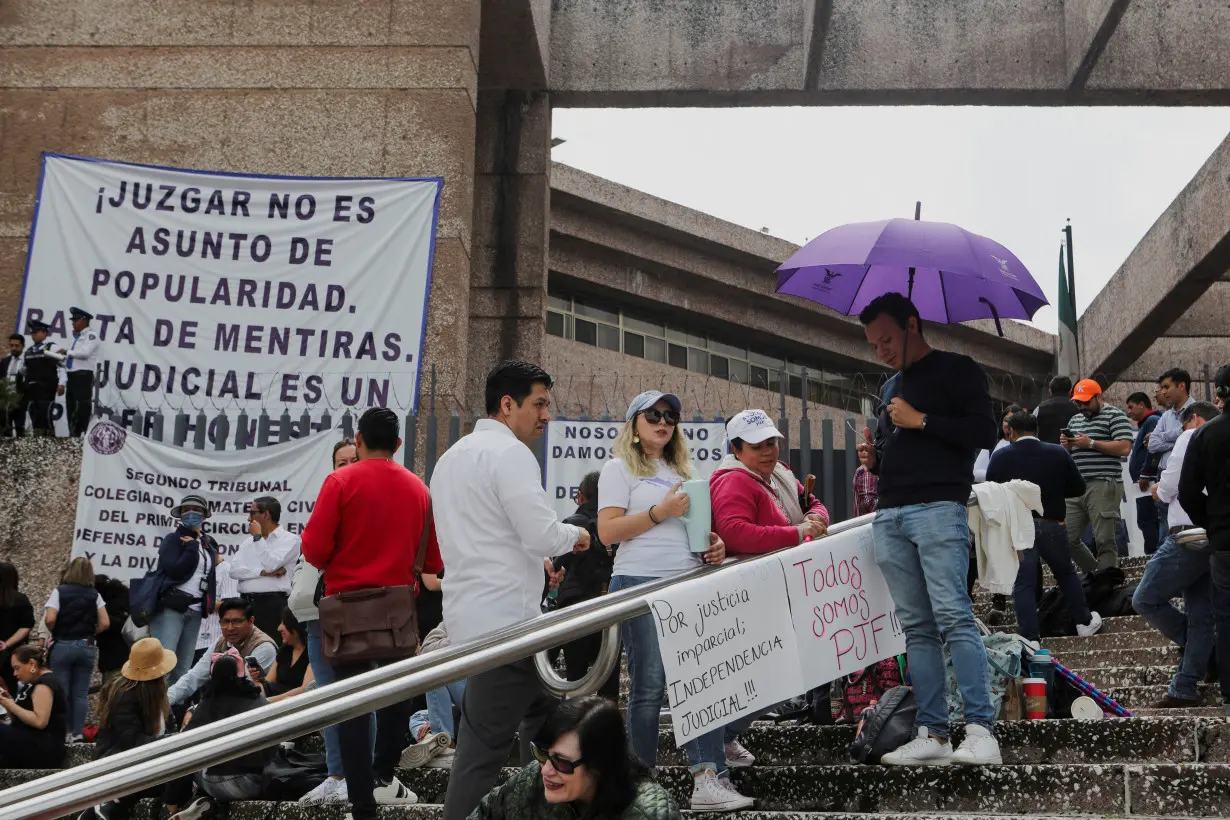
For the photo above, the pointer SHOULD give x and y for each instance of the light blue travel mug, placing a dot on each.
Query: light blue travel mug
(699, 517)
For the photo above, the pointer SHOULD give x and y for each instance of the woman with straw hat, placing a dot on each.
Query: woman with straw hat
(133, 711)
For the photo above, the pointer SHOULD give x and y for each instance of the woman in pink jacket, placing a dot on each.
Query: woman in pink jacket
(758, 504)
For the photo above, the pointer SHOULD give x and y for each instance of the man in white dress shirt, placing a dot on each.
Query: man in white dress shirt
(79, 362)
(264, 565)
(495, 526)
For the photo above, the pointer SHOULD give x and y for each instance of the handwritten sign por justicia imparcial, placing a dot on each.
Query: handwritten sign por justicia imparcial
(728, 647)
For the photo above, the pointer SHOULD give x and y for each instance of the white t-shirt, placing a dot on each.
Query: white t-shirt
(193, 585)
(54, 601)
(662, 550)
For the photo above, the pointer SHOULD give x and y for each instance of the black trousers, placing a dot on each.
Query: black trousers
(41, 398)
(79, 401)
(355, 735)
(579, 656)
(13, 422)
(267, 609)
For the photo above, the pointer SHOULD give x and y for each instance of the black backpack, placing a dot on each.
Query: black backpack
(885, 726)
(292, 774)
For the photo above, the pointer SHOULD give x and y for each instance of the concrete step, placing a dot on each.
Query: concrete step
(1195, 711)
(1140, 639)
(1126, 623)
(1113, 676)
(1065, 789)
(1146, 696)
(1165, 789)
(1094, 658)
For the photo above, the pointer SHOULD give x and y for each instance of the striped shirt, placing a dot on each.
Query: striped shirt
(1110, 424)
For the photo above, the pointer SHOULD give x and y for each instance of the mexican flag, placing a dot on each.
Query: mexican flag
(1068, 361)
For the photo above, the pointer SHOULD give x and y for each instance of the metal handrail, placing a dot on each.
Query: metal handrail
(182, 754)
(591, 681)
(185, 753)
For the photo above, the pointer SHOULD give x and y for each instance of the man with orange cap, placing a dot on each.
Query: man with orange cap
(1099, 436)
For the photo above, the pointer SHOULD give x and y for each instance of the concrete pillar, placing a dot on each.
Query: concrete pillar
(511, 205)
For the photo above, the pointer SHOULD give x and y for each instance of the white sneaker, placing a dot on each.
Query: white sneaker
(1090, 629)
(321, 793)
(394, 793)
(923, 750)
(195, 810)
(709, 794)
(737, 757)
(980, 748)
(412, 757)
(444, 760)
(339, 794)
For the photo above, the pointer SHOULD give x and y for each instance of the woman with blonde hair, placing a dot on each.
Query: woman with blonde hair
(639, 508)
(75, 613)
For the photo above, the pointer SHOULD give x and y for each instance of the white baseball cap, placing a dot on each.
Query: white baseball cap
(752, 426)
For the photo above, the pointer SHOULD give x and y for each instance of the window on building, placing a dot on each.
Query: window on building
(555, 323)
(585, 332)
(655, 349)
(608, 337)
(678, 356)
(698, 361)
(634, 344)
(719, 366)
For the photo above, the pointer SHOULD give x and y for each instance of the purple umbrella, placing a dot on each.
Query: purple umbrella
(952, 275)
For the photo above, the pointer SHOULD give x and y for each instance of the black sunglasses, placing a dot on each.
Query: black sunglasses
(561, 764)
(653, 415)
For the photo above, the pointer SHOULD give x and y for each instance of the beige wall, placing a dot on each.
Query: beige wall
(348, 87)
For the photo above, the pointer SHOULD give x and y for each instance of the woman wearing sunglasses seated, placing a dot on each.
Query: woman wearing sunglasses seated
(639, 508)
(582, 761)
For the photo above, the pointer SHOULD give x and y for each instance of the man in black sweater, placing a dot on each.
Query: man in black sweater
(1206, 469)
(1054, 412)
(1050, 467)
(936, 415)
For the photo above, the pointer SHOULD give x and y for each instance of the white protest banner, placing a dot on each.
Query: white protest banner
(844, 616)
(129, 484)
(575, 448)
(234, 290)
(728, 647)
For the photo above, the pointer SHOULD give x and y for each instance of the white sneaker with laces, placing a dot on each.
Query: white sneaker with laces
(394, 793)
(422, 752)
(1090, 629)
(738, 757)
(980, 748)
(710, 794)
(923, 750)
(339, 794)
(321, 793)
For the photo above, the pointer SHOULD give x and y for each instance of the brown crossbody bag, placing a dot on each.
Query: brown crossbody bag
(376, 624)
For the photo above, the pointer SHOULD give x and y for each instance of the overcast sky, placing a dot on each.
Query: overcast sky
(1013, 174)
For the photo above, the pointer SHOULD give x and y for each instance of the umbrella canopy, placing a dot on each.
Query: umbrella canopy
(952, 275)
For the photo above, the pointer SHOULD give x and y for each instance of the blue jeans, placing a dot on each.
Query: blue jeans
(647, 688)
(440, 707)
(177, 631)
(73, 663)
(923, 551)
(323, 673)
(1051, 546)
(1172, 571)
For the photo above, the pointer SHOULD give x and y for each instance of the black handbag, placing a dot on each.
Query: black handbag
(176, 600)
(292, 774)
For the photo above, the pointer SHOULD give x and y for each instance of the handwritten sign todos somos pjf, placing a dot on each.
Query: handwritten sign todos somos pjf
(728, 647)
(843, 614)
(735, 644)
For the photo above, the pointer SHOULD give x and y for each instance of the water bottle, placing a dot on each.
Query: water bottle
(1043, 666)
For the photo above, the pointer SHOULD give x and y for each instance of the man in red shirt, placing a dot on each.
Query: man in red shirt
(365, 532)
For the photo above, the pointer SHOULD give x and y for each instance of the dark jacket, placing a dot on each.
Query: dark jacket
(1142, 462)
(1053, 415)
(935, 464)
(124, 729)
(588, 573)
(219, 707)
(1048, 465)
(523, 798)
(1207, 466)
(177, 561)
